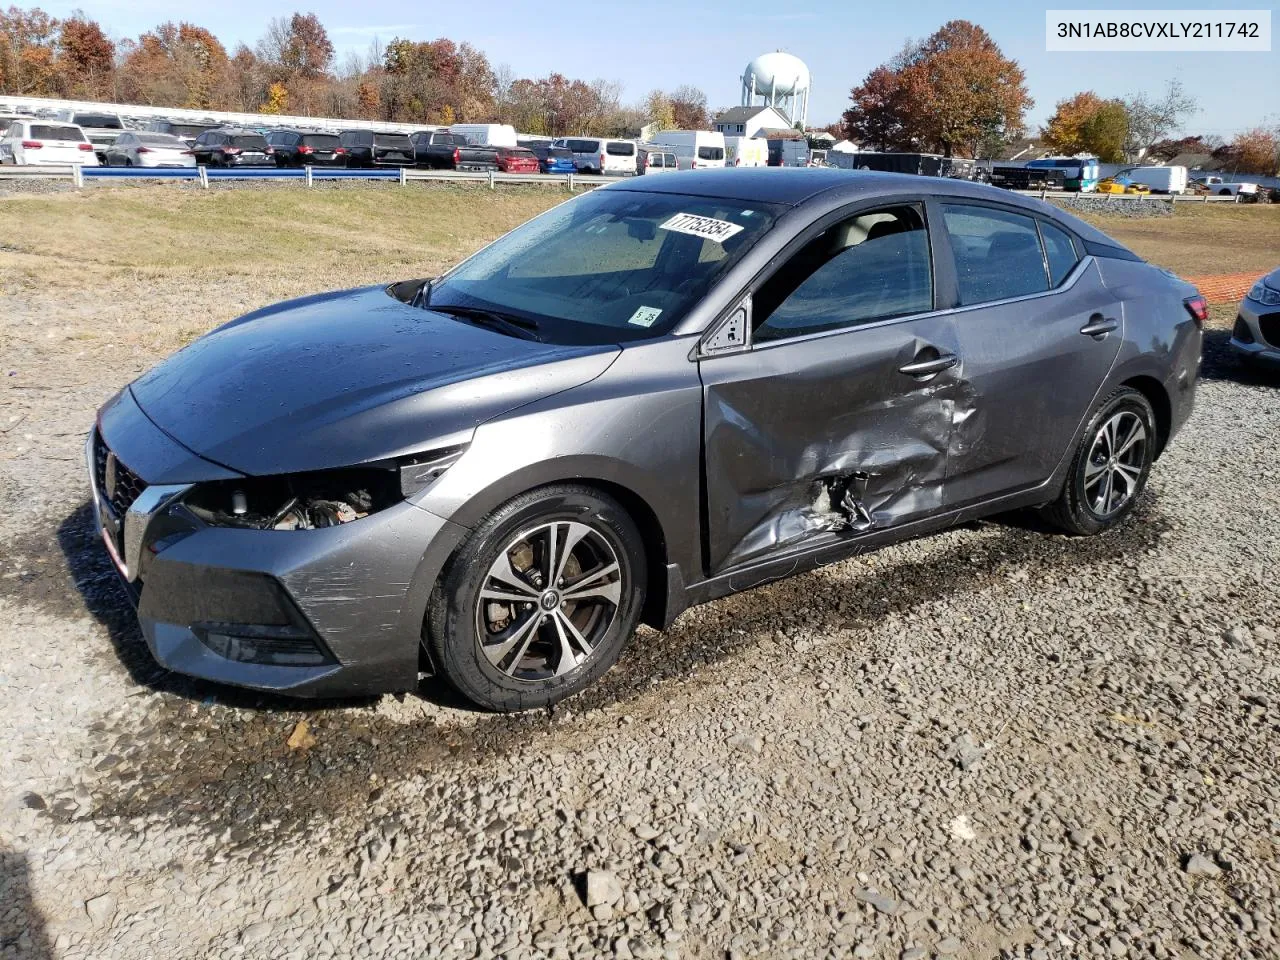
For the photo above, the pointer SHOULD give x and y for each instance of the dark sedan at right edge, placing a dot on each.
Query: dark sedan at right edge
(658, 393)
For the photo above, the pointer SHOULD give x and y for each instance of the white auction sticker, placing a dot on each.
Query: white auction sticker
(709, 228)
(644, 316)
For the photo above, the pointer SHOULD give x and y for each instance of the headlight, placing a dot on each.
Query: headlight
(322, 498)
(1268, 296)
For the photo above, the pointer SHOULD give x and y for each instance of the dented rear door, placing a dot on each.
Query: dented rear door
(824, 436)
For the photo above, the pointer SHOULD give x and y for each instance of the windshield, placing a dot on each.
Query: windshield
(610, 266)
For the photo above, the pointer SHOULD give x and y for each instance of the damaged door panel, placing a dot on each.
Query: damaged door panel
(826, 437)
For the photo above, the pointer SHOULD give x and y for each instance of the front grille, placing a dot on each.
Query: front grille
(128, 485)
(1241, 331)
(1270, 326)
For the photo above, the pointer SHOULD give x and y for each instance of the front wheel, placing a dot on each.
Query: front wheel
(1110, 467)
(540, 600)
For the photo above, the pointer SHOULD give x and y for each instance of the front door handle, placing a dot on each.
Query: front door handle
(1099, 326)
(927, 368)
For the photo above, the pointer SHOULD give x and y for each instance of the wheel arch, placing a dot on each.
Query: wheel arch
(1161, 404)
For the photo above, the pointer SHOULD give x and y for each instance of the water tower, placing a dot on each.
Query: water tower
(778, 80)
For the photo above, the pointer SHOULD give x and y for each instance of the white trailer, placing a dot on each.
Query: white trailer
(1159, 179)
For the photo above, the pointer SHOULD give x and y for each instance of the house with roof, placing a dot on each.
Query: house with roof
(751, 121)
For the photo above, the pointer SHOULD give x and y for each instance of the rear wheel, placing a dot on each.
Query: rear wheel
(540, 600)
(1110, 467)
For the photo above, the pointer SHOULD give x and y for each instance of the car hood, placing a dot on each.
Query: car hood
(344, 378)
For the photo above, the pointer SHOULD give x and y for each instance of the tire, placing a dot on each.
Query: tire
(1124, 421)
(510, 656)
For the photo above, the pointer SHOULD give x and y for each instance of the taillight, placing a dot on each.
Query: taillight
(144, 149)
(302, 149)
(31, 144)
(457, 156)
(188, 153)
(1198, 307)
(602, 161)
(86, 147)
(230, 149)
(339, 151)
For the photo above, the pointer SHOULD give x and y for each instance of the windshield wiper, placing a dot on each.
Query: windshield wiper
(507, 323)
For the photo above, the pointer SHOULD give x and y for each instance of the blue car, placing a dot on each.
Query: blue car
(551, 159)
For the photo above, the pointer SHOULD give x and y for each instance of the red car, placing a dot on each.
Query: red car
(516, 160)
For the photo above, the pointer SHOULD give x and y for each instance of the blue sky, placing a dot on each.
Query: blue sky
(663, 43)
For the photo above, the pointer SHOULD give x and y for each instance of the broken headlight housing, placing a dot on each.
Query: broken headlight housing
(320, 498)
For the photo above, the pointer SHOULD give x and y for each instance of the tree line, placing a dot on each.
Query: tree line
(956, 93)
(293, 69)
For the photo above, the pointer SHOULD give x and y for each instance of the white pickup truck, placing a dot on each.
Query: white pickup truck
(1220, 187)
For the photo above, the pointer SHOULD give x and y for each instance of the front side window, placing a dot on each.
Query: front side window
(872, 266)
(609, 266)
(997, 253)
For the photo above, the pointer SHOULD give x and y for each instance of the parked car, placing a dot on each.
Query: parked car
(695, 149)
(232, 147)
(497, 473)
(600, 155)
(148, 150)
(46, 143)
(516, 160)
(1119, 185)
(100, 128)
(306, 148)
(437, 150)
(1216, 186)
(1256, 334)
(486, 134)
(367, 148)
(551, 159)
(652, 158)
(188, 132)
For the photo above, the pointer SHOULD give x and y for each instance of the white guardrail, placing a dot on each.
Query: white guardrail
(78, 174)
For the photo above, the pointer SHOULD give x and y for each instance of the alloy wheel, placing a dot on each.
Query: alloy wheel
(1113, 470)
(548, 600)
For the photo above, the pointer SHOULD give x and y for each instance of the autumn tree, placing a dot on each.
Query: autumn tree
(1165, 150)
(689, 106)
(85, 59)
(659, 110)
(952, 92)
(277, 101)
(178, 65)
(27, 52)
(1254, 151)
(1103, 134)
(296, 52)
(246, 83)
(1063, 132)
(1153, 118)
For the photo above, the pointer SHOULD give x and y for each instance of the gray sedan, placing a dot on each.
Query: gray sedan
(656, 394)
(148, 150)
(1256, 334)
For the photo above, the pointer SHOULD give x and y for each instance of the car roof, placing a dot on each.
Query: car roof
(797, 186)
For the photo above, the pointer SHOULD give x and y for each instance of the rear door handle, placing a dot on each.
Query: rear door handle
(1099, 326)
(927, 368)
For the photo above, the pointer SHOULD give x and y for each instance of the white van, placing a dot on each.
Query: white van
(746, 152)
(486, 134)
(1159, 179)
(601, 155)
(696, 149)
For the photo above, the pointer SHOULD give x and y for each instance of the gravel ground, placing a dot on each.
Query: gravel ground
(997, 742)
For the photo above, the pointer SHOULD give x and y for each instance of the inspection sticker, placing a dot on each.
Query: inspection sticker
(644, 316)
(709, 228)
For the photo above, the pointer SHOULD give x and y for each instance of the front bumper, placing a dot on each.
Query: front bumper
(355, 593)
(1256, 334)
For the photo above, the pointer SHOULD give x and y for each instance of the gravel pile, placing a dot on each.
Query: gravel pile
(997, 742)
(1113, 206)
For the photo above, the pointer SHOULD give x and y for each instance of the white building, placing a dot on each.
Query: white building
(750, 121)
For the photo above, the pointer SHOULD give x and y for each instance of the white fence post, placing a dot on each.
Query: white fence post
(491, 181)
(570, 179)
(77, 175)
(404, 177)
(307, 169)
(204, 176)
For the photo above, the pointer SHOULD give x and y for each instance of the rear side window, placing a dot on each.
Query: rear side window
(710, 153)
(47, 131)
(620, 149)
(99, 120)
(872, 266)
(1059, 252)
(997, 253)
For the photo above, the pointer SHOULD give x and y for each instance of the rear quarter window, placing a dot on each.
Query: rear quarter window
(1059, 252)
